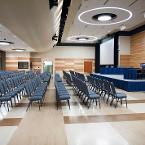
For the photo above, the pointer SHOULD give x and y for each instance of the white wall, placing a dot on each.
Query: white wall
(67, 52)
(124, 45)
(18, 54)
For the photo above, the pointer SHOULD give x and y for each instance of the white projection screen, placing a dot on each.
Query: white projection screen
(107, 52)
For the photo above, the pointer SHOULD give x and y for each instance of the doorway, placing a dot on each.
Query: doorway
(88, 66)
(48, 66)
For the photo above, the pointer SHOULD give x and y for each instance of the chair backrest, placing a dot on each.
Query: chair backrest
(113, 91)
(2, 91)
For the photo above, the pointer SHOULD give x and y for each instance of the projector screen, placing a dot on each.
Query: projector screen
(107, 52)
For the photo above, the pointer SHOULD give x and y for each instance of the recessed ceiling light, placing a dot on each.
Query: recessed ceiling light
(19, 50)
(83, 38)
(104, 18)
(5, 43)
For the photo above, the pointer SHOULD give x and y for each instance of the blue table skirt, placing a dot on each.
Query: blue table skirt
(129, 73)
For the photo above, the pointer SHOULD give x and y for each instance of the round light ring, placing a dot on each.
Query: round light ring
(104, 17)
(82, 38)
(5, 43)
(105, 10)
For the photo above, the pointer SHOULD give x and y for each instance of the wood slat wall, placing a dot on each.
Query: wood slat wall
(12, 62)
(36, 63)
(2, 60)
(124, 60)
(137, 49)
(71, 64)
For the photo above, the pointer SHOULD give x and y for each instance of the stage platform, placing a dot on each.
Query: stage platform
(125, 84)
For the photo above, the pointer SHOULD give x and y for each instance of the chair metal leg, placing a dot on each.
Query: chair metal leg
(8, 106)
(57, 104)
(116, 103)
(111, 102)
(121, 102)
(11, 103)
(126, 102)
(96, 102)
(68, 103)
(29, 104)
(99, 103)
(39, 102)
(107, 99)
(89, 104)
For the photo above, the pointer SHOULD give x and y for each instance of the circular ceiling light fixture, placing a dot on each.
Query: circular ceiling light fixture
(104, 17)
(116, 15)
(5, 43)
(19, 50)
(82, 38)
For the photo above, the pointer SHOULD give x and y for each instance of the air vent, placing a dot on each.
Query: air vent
(131, 4)
(106, 2)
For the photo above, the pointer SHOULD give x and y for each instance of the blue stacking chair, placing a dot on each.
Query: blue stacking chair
(91, 95)
(5, 97)
(119, 96)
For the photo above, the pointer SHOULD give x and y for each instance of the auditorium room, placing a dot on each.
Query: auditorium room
(72, 72)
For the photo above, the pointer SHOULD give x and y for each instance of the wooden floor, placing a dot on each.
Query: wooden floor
(75, 126)
(45, 127)
(104, 118)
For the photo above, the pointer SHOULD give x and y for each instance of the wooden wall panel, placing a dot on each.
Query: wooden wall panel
(124, 60)
(12, 62)
(2, 60)
(36, 63)
(71, 64)
(137, 49)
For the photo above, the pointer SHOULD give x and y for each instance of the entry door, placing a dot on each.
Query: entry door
(88, 66)
(48, 66)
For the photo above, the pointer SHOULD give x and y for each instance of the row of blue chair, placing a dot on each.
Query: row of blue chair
(45, 77)
(67, 77)
(85, 93)
(10, 74)
(106, 88)
(36, 88)
(12, 88)
(61, 92)
(58, 78)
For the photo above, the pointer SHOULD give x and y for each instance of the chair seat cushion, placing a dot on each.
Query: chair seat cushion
(5, 98)
(93, 95)
(35, 98)
(121, 95)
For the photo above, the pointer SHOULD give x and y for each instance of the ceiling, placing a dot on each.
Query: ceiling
(32, 24)
(137, 7)
(29, 20)
(17, 42)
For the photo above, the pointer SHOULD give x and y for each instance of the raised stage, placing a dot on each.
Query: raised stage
(125, 84)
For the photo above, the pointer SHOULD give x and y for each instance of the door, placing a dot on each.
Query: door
(48, 67)
(88, 66)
